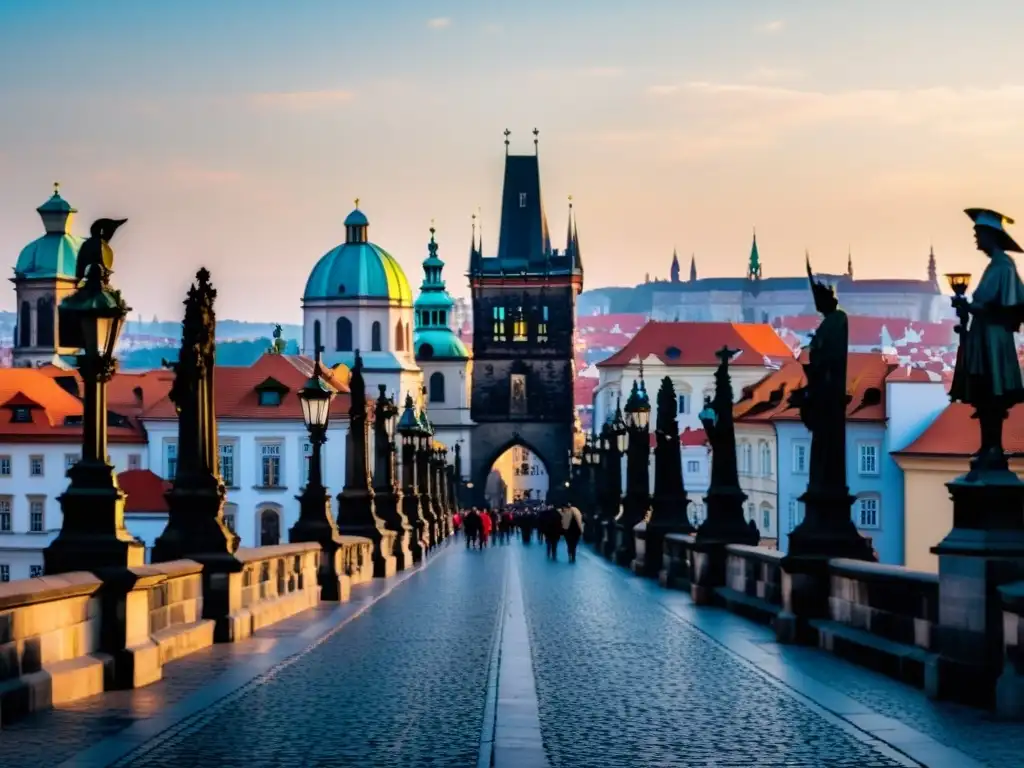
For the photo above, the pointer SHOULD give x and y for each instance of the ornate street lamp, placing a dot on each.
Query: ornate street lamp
(424, 472)
(409, 431)
(638, 497)
(387, 495)
(92, 536)
(316, 521)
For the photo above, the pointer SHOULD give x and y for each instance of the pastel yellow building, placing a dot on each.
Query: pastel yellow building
(941, 454)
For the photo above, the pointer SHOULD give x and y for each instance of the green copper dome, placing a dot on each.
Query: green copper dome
(434, 338)
(55, 254)
(358, 269)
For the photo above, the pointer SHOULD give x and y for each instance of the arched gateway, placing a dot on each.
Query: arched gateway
(524, 330)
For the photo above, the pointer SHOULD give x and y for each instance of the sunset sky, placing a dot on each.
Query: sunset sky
(237, 133)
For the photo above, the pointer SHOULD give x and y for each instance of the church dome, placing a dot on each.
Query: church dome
(358, 269)
(55, 254)
(434, 338)
(439, 343)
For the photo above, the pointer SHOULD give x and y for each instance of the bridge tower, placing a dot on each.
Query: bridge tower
(524, 332)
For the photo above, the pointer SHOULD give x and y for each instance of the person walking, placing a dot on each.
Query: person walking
(572, 529)
(485, 528)
(551, 526)
(472, 526)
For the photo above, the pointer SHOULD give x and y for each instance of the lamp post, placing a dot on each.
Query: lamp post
(425, 440)
(387, 495)
(92, 536)
(408, 429)
(357, 514)
(316, 521)
(638, 492)
(615, 447)
(440, 489)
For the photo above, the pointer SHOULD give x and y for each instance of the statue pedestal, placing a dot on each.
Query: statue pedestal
(430, 537)
(93, 536)
(357, 517)
(724, 525)
(983, 551)
(668, 516)
(316, 524)
(608, 539)
(418, 538)
(389, 509)
(195, 525)
(826, 532)
(635, 511)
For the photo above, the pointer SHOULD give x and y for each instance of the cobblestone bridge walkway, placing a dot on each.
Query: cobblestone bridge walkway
(503, 658)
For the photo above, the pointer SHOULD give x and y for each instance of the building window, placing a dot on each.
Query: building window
(795, 513)
(750, 511)
(70, 459)
(226, 464)
(5, 572)
(343, 335)
(35, 571)
(498, 329)
(35, 516)
(44, 322)
(867, 458)
(270, 528)
(522, 199)
(517, 401)
(269, 397)
(766, 459)
(21, 415)
(229, 520)
(399, 337)
(170, 460)
(375, 336)
(684, 403)
(437, 387)
(746, 458)
(5, 466)
(867, 512)
(35, 466)
(542, 326)
(693, 467)
(766, 518)
(134, 461)
(5, 515)
(270, 464)
(519, 326)
(800, 457)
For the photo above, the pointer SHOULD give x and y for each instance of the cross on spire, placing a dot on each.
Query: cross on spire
(357, 202)
(507, 134)
(536, 141)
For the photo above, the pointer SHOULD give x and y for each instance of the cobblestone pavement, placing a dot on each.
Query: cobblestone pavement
(402, 685)
(622, 682)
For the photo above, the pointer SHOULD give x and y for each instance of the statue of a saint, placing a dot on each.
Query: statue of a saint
(987, 373)
(822, 402)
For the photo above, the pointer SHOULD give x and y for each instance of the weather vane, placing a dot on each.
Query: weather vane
(507, 134)
(536, 141)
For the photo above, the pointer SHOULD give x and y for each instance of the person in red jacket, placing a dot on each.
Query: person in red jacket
(485, 529)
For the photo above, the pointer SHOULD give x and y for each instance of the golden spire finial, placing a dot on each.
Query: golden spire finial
(570, 201)
(56, 188)
(357, 202)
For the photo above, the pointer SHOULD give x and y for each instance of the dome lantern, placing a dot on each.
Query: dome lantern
(56, 213)
(357, 226)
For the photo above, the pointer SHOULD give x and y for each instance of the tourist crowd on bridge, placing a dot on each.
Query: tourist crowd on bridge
(490, 527)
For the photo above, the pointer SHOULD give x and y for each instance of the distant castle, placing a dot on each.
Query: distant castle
(755, 298)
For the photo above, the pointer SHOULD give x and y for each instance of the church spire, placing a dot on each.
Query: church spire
(933, 276)
(572, 242)
(673, 272)
(754, 266)
(849, 262)
(693, 268)
(475, 250)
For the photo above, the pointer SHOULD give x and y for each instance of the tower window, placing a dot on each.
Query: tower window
(498, 330)
(522, 199)
(442, 317)
(437, 387)
(375, 337)
(343, 335)
(519, 326)
(542, 326)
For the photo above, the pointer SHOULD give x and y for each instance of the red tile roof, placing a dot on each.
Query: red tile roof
(49, 407)
(955, 433)
(867, 331)
(583, 390)
(695, 344)
(767, 400)
(693, 437)
(237, 398)
(145, 490)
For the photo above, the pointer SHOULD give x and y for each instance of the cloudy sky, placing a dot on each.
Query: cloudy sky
(236, 134)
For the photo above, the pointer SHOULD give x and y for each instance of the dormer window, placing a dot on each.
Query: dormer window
(270, 392)
(270, 397)
(522, 199)
(21, 414)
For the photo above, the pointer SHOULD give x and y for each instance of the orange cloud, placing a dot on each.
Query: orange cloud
(441, 22)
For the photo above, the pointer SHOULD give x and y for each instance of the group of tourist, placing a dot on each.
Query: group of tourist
(489, 527)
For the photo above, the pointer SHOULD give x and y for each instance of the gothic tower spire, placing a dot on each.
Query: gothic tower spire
(754, 265)
(933, 276)
(849, 262)
(673, 272)
(693, 268)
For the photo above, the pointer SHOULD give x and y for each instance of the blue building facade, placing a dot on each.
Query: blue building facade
(874, 479)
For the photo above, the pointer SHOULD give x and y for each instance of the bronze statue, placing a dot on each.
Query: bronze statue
(823, 400)
(987, 373)
(96, 249)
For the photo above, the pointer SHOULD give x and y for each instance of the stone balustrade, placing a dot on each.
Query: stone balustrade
(753, 582)
(276, 582)
(356, 559)
(1010, 686)
(49, 643)
(677, 566)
